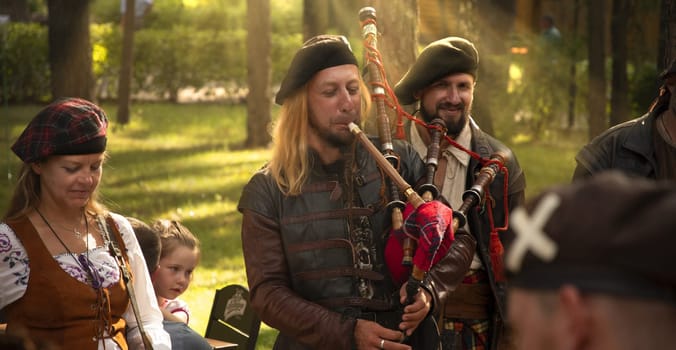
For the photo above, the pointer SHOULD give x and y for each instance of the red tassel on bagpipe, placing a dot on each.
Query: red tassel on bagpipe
(495, 247)
(497, 251)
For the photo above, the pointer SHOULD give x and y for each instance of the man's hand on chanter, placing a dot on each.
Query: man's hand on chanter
(416, 311)
(370, 335)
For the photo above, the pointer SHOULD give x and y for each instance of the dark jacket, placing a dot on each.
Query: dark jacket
(298, 255)
(627, 146)
(479, 221)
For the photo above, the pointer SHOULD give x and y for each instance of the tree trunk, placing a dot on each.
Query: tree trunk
(315, 18)
(397, 24)
(396, 41)
(343, 16)
(619, 99)
(493, 74)
(667, 40)
(596, 101)
(70, 50)
(126, 66)
(17, 10)
(258, 72)
(572, 85)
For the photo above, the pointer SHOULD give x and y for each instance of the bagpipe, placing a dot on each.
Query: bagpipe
(423, 228)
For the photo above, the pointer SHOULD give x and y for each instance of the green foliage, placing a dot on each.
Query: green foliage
(198, 43)
(167, 60)
(25, 69)
(283, 49)
(106, 53)
(286, 16)
(538, 94)
(105, 11)
(644, 87)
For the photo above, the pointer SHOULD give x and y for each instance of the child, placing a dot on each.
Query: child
(178, 258)
(172, 253)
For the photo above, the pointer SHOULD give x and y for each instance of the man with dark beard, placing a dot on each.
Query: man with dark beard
(315, 219)
(442, 81)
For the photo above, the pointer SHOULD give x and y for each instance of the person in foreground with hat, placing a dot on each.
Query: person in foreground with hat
(61, 283)
(645, 146)
(442, 81)
(315, 220)
(592, 266)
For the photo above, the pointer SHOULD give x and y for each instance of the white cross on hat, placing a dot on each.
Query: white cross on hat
(529, 234)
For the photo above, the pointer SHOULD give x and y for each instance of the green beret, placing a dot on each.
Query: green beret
(319, 52)
(437, 60)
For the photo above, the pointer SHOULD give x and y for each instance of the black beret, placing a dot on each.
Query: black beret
(609, 234)
(437, 60)
(66, 126)
(319, 52)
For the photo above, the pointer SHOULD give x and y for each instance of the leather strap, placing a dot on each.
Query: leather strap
(469, 301)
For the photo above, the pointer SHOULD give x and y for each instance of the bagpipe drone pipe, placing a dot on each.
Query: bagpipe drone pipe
(422, 228)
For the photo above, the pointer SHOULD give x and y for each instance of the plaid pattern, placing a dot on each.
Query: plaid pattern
(466, 334)
(67, 126)
(430, 225)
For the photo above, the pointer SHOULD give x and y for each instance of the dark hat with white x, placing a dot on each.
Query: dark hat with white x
(610, 234)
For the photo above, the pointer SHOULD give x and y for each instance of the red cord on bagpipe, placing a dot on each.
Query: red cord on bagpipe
(387, 95)
(373, 56)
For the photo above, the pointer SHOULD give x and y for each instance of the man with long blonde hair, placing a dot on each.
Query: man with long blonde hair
(315, 218)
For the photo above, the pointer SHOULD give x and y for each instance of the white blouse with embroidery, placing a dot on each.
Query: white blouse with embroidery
(15, 272)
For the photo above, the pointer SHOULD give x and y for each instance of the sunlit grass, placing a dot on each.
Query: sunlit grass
(175, 161)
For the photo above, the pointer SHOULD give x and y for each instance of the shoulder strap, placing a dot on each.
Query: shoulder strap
(124, 268)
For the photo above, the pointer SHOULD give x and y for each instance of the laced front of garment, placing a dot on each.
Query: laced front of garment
(82, 267)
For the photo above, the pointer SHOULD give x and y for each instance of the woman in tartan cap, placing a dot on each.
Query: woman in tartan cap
(61, 283)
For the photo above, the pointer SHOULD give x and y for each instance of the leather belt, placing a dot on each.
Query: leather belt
(387, 319)
(469, 301)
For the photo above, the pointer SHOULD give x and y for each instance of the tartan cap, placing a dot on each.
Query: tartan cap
(609, 234)
(317, 53)
(66, 126)
(438, 59)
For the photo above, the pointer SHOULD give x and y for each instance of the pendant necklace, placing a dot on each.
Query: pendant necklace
(82, 259)
(75, 231)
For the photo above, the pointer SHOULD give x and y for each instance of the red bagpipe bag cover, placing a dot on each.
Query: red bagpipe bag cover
(431, 225)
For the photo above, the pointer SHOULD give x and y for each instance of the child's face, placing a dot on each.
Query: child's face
(173, 275)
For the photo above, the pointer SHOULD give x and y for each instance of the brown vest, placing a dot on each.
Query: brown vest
(58, 308)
